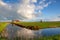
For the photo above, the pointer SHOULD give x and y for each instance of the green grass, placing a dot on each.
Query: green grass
(3, 25)
(3, 38)
(41, 24)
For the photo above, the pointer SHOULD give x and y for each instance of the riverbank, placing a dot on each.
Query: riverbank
(41, 25)
(3, 25)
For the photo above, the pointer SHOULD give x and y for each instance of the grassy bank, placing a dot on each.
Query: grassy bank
(3, 25)
(41, 24)
(33, 24)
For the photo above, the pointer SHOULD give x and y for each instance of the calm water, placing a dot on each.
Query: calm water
(50, 31)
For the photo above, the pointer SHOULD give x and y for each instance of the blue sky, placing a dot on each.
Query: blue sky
(53, 10)
(32, 9)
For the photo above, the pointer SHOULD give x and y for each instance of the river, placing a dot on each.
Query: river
(15, 31)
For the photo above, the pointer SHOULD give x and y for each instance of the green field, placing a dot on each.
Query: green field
(3, 25)
(41, 24)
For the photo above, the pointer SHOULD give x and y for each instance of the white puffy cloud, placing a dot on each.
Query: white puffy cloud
(5, 5)
(43, 4)
(33, 0)
(8, 11)
(26, 9)
(2, 3)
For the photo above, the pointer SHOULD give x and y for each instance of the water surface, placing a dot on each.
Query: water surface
(15, 31)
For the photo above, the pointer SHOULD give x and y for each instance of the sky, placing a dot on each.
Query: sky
(30, 10)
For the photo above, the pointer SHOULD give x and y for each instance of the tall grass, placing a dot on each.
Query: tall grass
(3, 25)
